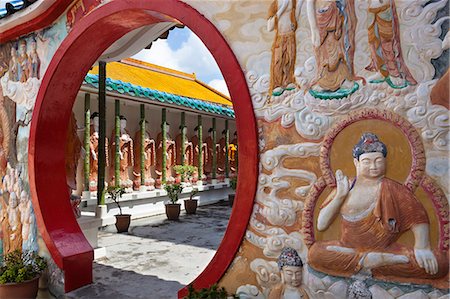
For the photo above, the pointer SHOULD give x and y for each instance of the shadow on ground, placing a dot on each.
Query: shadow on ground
(112, 283)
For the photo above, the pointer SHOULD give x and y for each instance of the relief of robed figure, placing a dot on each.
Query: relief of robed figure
(375, 211)
(170, 156)
(385, 45)
(126, 156)
(149, 160)
(93, 146)
(333, 24)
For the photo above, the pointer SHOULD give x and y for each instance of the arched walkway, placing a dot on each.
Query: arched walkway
(85, 43)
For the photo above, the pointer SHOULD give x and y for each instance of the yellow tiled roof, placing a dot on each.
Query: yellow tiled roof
(163, 79)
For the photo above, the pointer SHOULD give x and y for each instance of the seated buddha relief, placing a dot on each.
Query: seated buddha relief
(375, 212)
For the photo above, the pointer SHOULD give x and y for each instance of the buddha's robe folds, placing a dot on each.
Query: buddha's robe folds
(377, 230)
(384, 40)
(334, 62)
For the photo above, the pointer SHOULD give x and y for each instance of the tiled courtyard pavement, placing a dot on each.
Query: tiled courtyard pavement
(157, 257)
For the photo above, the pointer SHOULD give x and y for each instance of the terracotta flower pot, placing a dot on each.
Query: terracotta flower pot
(190, 205)
(24, 290)
(123, 222)
(173, 211)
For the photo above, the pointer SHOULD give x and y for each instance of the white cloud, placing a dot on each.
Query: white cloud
(191, 57)
(220, 85)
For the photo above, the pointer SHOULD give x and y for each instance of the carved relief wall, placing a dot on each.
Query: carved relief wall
(322, 74)
(360, 66)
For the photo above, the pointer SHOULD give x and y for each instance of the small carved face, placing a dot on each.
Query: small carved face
(370, 165)
(291, 276)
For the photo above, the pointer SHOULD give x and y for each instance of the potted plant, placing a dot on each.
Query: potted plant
(233, 185)
(122, 220)
(19, 274)
(191, 204)
(184, 173)
(213, 292)
(173, 208)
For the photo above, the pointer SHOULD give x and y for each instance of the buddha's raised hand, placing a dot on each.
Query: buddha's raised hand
(342, 184)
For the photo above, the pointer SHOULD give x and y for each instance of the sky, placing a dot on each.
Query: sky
(184, 51)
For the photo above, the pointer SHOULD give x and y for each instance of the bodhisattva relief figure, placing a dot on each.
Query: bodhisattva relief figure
(333, 24)
(149, 160)
(11, 218)
(26, 219)
(34, 63)
(208, 166)
(93, 145)
(5, 135)
(170, 156)
(13, 67)
(221, 156)
(188, 151)
(385, 46)
(195, 147)
(291, 268)
(22, 70)
(282, 18)
(126, 156)
(375, 211)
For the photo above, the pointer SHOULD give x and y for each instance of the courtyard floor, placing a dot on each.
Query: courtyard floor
(156, 257)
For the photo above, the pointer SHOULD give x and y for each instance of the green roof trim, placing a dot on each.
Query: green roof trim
(159, 96)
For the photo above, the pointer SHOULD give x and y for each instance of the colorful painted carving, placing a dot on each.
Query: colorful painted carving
(375, 211)
(170, 155)
(208, 166)
(282, 18)
(233, 154)
(93, 174)
(385, 46)
(149, 160)
(126, 148)
(222, 152)
(188, 152)
(195, 147)
(78, 10)
(291, 269)
(333, 25)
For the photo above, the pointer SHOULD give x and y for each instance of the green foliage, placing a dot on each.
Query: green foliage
(20, 266)
(116, 193)
(213, 292)
(173, 190)
(185, 170)
(193, 193)
(233, 183)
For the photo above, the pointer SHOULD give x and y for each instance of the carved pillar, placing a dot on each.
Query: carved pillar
(183, 140)
(200, 147)
(227, 144)
(164, 146)
(214, 149)
(143, 129)
(101, 132)
(117, 142)
(87, 135)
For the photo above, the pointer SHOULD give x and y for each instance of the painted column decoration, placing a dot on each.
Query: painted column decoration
(200, 147)
(87, 141)
(117, 149)
(227, 152)
(102, 132)
(142, 136)
(214, 150)
(164, 145)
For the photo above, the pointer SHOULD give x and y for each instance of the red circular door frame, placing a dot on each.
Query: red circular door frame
(89, 38)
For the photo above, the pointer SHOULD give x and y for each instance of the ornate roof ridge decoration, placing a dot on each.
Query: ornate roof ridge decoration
(160, 96)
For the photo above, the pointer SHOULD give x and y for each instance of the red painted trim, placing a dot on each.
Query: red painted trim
(88, 39)
(44, 19)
